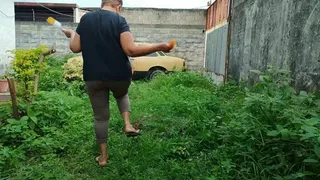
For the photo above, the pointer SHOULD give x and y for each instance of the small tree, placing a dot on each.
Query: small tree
(24, 65)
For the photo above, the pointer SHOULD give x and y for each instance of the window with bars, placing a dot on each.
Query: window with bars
(40, 14)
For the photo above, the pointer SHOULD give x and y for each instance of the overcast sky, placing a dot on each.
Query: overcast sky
(183, 4)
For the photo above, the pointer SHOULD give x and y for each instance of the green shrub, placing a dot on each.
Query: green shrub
(24, 64)
(44, 128)
(192, 129)
(73, 69)
(54, 80)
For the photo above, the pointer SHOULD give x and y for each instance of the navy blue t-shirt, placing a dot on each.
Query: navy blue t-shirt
(103, 57)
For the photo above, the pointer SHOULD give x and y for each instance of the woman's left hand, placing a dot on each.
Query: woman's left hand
(68, 32)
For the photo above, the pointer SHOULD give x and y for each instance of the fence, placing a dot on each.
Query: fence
(217, 40)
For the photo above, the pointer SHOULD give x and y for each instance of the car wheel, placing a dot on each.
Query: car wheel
(154, 73)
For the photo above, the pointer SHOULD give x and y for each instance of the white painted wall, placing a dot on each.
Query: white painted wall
(7, 32)
(78, 13)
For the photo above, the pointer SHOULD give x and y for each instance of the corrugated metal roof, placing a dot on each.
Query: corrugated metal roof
(46, 4)
(49, 1)
(94, 3)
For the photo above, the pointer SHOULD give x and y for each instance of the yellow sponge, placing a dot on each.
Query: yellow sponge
(173, 43)
(53, 22)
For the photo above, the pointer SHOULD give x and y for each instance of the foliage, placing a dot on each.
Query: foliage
(23, 68)
(54, 80)
(73, 69)
(192, 129)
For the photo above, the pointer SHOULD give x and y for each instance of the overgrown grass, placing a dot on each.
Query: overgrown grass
(192, 129)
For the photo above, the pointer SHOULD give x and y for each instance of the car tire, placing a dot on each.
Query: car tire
(153, 73)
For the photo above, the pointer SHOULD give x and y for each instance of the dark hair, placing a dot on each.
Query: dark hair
(111, 2)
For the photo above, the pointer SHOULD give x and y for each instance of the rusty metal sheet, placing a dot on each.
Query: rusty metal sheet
(217, 13)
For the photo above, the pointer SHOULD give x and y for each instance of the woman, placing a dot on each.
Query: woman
(104, 38)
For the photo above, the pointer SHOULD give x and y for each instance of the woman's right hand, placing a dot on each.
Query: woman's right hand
(165, 47)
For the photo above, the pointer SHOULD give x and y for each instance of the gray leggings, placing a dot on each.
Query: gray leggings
(99, 92)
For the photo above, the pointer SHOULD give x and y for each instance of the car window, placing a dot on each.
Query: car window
(153, 55)
(162, 53)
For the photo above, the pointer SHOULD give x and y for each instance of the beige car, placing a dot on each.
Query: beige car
(151, 65)
(142, 67)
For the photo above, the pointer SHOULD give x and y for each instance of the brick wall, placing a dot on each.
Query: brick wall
(147, 25)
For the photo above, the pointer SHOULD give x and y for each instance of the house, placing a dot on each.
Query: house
(7, 31)
(28, 11)
(32, 11)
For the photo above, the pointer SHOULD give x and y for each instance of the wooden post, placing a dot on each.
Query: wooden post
(37, 72)
(13, 94)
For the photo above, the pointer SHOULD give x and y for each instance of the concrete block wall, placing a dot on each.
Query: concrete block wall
(147, 25)
(33, 34)
(280, 31)
(165, 16)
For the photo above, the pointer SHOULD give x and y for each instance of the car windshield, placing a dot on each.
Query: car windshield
(162, 53)
(153, 55)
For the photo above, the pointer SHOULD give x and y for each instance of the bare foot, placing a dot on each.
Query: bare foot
(130, 130)
(102, 162)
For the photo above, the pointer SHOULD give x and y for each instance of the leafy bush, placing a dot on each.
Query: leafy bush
(54, 80)
(270, 133)
(43, 129)
(23, 67)
(192, 129)
(73, 69)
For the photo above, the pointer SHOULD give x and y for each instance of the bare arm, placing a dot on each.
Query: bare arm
(129, 47)
(75, 43)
